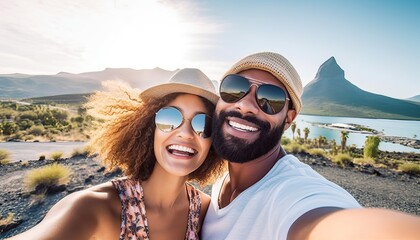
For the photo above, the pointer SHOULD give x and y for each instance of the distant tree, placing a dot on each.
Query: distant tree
(371, 148)
(344, 136)
(321, 141)
(293, 126)
(334, 147)
(298, 133)
(8, 128)
(61, 116)
(306, 132)
(25, 124)
(37, 130)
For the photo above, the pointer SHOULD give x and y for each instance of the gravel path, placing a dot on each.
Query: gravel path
(376, 191)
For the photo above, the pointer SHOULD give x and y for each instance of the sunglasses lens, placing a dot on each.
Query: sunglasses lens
(271, 99)
(201, 123)
(233, 88)
(168, 119)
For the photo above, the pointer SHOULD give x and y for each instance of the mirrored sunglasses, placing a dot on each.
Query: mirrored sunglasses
(270, 98)
(168, 119)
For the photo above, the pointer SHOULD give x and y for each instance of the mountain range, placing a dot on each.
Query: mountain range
(414, 99)
(331, 94)
(328, 94)
(27, 86)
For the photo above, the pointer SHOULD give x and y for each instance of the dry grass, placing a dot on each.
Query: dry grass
(362, 161)
(317, 152)
(342, 159)
(411, 168)
(56, 155)
(54, 174)
(295, 148)
(4, 156)
(87, 150)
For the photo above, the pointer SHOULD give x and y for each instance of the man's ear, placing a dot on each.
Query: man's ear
(291, 115)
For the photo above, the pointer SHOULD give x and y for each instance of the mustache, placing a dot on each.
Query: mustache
(252, 119)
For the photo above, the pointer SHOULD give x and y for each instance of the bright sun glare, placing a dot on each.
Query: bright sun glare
(146, 34)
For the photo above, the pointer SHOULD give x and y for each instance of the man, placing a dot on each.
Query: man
(269, 194)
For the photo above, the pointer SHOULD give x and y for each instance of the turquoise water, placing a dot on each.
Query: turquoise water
(31, 151)
(401, 128)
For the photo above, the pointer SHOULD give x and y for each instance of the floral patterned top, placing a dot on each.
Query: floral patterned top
(133, 210)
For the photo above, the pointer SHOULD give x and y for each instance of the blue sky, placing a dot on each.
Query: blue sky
(375, 42)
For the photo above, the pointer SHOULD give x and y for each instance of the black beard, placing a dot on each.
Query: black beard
(239, 150)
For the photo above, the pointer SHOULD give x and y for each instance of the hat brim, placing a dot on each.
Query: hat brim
(162, 90)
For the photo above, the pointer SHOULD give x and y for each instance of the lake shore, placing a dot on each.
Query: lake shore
(353, 128)
(371, 186)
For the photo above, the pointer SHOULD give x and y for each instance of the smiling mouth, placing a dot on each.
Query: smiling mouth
(182, 151)
(242, 127)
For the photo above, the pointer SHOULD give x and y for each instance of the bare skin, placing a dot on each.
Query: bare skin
(95, 213)
(244, 175)
(318, 224)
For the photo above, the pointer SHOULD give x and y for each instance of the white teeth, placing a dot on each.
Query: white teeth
(242, 127)
(181, 148)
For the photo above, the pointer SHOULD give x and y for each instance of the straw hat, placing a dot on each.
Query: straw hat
(187, 80)
(277, 65)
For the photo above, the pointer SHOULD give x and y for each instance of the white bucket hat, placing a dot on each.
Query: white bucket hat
(187, 80)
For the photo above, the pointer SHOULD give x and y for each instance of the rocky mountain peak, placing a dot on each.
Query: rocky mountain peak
(330, 69)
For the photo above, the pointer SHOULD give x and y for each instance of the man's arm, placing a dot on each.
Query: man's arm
(361, 223)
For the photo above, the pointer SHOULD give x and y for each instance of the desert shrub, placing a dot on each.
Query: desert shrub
(42, 157)
(56, 155)
(295, 148)
(77, 152)
(285, 141)
(25, 124)
(361, 161)
(411, 168)
(54, 174)
(28, 137)
(29, 115)
(8, 128)
(371, 148)
(37, 130)
(4, 156)
(342, 159)
(317, 152)
(88, 149)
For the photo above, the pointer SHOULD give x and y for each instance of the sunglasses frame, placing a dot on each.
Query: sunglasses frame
(258, 84)
(183, 121)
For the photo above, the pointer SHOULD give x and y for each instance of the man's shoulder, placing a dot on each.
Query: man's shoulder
(290, 165)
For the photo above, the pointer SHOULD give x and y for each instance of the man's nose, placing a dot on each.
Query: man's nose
(248, 104)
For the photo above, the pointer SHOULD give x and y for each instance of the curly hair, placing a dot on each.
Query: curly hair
(126, 138)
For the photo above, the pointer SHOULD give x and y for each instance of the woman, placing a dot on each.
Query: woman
(160, 140)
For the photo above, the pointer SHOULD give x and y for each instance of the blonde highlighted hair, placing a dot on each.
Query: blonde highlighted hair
(125, 140)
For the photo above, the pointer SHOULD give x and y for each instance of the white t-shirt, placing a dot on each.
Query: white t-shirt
(267, 209)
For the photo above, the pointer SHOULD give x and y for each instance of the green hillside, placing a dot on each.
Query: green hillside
(330, 94)
(60, 99)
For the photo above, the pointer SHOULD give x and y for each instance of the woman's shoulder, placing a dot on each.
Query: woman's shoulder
(79, 215)
(92, 200)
